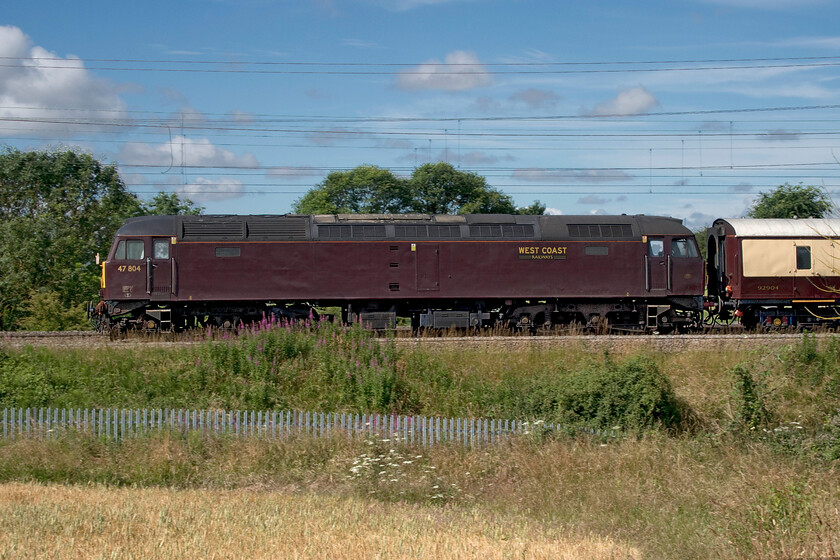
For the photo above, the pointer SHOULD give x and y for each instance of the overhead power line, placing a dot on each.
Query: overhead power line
(169, 120)
(412, 68)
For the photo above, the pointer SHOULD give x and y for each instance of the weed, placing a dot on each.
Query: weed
(749, 395)
(390, 472)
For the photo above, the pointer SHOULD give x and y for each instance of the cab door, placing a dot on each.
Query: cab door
(686, 266)
(656, 266)
(160, 270)
(126, 270)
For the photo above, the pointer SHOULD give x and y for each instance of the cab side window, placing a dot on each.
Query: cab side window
(656, 247)
(130, 249)
(683, 248)
(160, 248)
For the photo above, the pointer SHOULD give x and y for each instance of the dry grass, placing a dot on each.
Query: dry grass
(656, 497)
(670, 497)
(97, 522)
(710, 491)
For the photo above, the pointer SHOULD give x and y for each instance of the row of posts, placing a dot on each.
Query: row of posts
(118, 424)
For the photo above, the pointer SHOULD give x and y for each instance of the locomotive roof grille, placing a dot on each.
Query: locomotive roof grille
(259, 229)
(601, 231)
(444, 232)
(508, 231)
(351, 231)
(197, 231)
(422, 231)
(288, 229)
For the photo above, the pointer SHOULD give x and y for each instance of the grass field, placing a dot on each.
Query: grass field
(727, 454)
(98, 522)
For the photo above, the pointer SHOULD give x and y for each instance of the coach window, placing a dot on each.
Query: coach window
(656, 247)
(803, 258)
(160, 249)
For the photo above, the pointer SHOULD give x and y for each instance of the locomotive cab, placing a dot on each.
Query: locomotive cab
(139, 275)
(141, 268)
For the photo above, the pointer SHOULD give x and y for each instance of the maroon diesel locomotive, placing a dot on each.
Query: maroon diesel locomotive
(638, 273)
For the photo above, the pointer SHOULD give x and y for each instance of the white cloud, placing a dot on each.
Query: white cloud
(314, 93)
(742, 187)
(553, 211)
(486, 104)
(460, 70)
(780, 135)
(405, 5)
(335, 135)
(593, 199)
(574, 175)
(45, 92)
(765, 4)
(629, 102)
(196, 153)
(698, 220)
(241, 117)
(205, 190)
(476, 158)
(292, 172)
(536, 98)
(361, 44)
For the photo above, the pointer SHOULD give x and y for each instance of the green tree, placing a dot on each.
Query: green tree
(701, 235)
(535, 209)
(170, 204)
(439, 188)
(58, 209)
(792, 201)
(366, 189)
(433, 188)
(43, 311)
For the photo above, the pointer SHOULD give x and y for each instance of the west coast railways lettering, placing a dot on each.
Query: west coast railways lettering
(541, 253)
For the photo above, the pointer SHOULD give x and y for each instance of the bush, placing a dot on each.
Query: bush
(634, 395)
(44, 311)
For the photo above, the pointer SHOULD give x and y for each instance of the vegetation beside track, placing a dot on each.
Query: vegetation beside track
(728, 453)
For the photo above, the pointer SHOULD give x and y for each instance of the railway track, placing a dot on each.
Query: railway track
(52, 338)
(666, 343)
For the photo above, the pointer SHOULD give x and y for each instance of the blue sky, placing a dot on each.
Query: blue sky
(681, 108)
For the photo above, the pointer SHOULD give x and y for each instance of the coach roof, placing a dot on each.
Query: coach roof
(745, 227)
